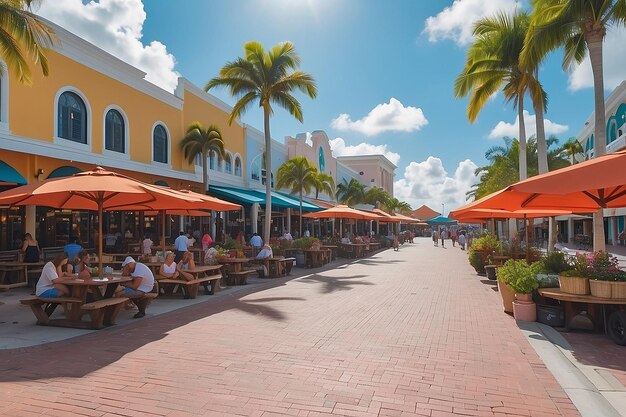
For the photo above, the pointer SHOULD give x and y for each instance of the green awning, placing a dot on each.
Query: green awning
(236, 195)
(64, 171)
(9, 176)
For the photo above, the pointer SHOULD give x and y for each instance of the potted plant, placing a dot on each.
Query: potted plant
(521, 277)
(606, 279)
(304, 243)
(575, 280)
(232, 246)
(554, 263)
(480, 250)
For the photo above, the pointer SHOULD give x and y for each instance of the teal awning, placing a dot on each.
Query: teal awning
(64, 171)
(236, 195)
(251, 196)
(9, 176)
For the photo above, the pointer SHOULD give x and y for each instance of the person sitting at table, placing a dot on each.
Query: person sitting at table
(146, 245)
(207, 241)
(210, 256)
(180, 246)
(82, 265)
(265, 252)
(142, 282)
(191, 242)
(168, 268)
(72, 249)
(255, 241)
(30, 249)
(186, 262)
(50, 284)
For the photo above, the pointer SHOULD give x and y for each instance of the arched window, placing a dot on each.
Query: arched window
(255, 172)
(238, 166)
(159, 144)
(219, 163)
(114, 134)
(212, 159)
(72, 114)
(198, 159)
(228, 164)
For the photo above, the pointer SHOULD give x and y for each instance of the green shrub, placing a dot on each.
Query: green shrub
(519, 275)
(556, 262)
(305, 242)
(477, 260)
(230, 243)
(481, 251)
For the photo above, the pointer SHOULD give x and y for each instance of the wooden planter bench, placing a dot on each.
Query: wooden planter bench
(44, 307)
(190, 288)
(104, 312)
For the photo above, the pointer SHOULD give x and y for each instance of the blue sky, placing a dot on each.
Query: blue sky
(395, 61)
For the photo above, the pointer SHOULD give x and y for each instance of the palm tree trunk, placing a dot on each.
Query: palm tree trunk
(205, 173)
(542, 148)
(268, 174)
(523, 166)
(300, 212)
(594, 44)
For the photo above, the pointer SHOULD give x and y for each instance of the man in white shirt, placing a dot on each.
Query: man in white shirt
(288, 236)
(307, 233)
(142, 282)
(266, 252)
(180, 246)
(256, 241)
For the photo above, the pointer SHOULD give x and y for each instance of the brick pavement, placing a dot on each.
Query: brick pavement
(408, 333)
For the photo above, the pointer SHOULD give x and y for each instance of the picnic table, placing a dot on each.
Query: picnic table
(102, 311)
(232, 268)
(22, 269)
(275, 267)
(316, 258)
(611, 309)
(353, 250)
(202, 275)
(333, 250)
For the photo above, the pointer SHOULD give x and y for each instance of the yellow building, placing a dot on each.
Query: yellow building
(96, 110)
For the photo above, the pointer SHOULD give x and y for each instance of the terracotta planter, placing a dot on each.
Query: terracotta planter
(524, 311)
(524, 297)
(600, 288)
(574, 285)
(508, 295)
(618, 290)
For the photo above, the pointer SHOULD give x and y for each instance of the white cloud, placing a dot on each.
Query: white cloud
(614, 63)
(427, 182)
(456, 22)
(511, 130)
(386, 117)
(116, 26)
(339, 148)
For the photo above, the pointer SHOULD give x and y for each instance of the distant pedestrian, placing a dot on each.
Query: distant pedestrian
(453, 237)
(443, 238)
(396, 242)
(435, 238)
(462, 241)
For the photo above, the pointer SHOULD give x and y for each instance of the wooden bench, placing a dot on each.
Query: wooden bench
(104, 312)
(50, 253)
(289, 263)
(44, 307)
(142, 301)
(190, 288)
(239, 277)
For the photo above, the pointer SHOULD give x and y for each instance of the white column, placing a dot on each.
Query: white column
(181, 224)
(31, 220)
(289, 220)
(614, 232)
(254, 217)
(570, 231)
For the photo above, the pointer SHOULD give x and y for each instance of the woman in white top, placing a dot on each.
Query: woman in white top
(168, 268)
(146, 246)
(186, 263)
(51, 284)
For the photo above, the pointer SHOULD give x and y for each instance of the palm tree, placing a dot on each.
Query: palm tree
(324, 183)
(571, 149)
(376, 196)
(493, 63)
(199, 140)
(350, 193)
(24, 37)
(299, 175)
(393, 205)
(269, 78)
(579, 26)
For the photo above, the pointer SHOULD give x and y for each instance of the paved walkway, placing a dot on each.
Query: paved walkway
(405, 333)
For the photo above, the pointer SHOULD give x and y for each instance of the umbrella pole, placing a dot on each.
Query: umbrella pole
(100, 219)
(527, 239)
(163, 233)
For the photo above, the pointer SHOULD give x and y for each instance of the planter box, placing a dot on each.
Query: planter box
(574, 285)
(490, 271)
(508, 295)
(600, 288)
(524, 311)
(618, 290)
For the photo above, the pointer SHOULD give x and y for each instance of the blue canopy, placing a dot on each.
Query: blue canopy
(441, 220)
(8, 175)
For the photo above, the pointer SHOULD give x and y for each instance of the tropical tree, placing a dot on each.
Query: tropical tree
(324, 183)
(571, 149)
(268, 78)
(350, 193)
(393, 205)
(199, 140)
(377, 197)
(580, 27)
(493, 64)
(298, 175)
(24, 37)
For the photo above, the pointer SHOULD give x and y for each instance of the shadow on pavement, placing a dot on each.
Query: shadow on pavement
(380, 261)
(332, 284)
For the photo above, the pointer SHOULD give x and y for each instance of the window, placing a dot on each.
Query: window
(159, 144)
(72, 114)
(212, 158)
(219, 162)
(228, 164)
(198, 159)
(255, 174)
(114, 134)
(238, 167)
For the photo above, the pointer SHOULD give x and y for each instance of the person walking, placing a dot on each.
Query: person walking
(180, 246)
(462, 241)
(435, 238)
(443, 238)
(453, 237)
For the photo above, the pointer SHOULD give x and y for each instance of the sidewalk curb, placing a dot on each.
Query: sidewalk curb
(587, 387)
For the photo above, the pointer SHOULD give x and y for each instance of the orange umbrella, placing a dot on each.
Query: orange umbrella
(180, 212)
(388, 218)
(478, 213)
(98, 190)
(405, 219)
(342, 212)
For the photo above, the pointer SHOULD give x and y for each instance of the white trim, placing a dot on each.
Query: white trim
(186, 85)
(4, 97)
(168, 151)
(232, 161)
(66, 142)
(115, 154)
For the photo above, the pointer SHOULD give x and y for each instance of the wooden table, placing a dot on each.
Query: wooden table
(316, 258)
(333, 250)
(232, 269)
(355, 249)
(590, 303)
(22, 268)
(198, 255)
(275, 267)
